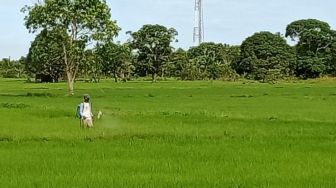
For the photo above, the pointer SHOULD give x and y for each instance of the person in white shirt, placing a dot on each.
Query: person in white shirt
(86, 113)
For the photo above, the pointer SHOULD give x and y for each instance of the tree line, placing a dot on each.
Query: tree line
(75, 39)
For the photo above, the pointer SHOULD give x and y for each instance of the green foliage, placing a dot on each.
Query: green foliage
(314, 48)
(83, 21)
(266, 57)
(177, 66)
(297, 29)
(310, 67)
(12, 69)
(208, 58)
(72, 25)
(46, 55)
(115, 59)
(214, 61)
(152, 45)
(331, 65)
(91, 66)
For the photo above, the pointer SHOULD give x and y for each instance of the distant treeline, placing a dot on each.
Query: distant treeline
(263, 56)
(75, 39)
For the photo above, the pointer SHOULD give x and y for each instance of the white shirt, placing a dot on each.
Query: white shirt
(87, 114)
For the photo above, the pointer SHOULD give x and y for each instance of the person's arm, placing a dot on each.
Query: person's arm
(81, 109)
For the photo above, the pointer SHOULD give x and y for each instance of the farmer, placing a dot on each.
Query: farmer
(86, 113)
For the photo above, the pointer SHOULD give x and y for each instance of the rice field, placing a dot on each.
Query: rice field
(170, 134)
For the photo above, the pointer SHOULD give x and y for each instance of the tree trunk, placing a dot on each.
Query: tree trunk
(115, 77)
(71, 67)
(122, 76)
(154, 77)
(71, 82)
(163, 73)
(71, 74)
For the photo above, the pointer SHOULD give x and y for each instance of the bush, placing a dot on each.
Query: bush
(310, 67)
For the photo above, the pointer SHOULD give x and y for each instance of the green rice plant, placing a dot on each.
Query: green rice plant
(186, 134)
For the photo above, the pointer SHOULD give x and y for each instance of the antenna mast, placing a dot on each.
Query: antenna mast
(199, 23)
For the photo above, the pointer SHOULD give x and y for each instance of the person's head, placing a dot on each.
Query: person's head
(86, 98)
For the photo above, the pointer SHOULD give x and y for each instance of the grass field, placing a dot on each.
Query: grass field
(170, 134)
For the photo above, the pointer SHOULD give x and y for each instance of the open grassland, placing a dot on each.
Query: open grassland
(170, 134)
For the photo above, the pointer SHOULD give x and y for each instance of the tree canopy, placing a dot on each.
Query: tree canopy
(75, 38)
(214, 60)
(46, 55)
(152, 45)
(266, 56)
(115, 59)
(316, 42)
(82, 22)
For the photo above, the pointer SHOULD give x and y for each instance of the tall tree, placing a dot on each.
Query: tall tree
(10, 68)
(19, 67)
(315, 41)
(177, 61)
(214, 60)
(331, 67)
(91, 66)
(152, 44)
(115, 59)
(266, 56)
(83, 21)
(46, 55)
(183, 66)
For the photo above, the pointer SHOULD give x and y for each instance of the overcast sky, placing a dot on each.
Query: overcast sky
(226, 21)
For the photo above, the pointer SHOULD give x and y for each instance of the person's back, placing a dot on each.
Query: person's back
(86, 112)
